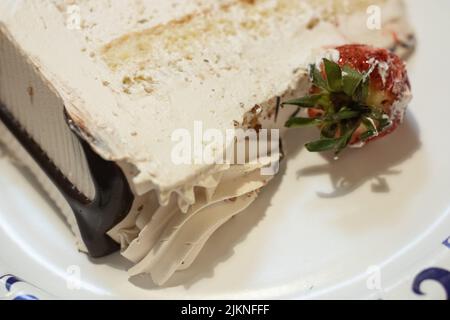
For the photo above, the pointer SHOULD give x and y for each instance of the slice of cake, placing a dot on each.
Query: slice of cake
(92, 92)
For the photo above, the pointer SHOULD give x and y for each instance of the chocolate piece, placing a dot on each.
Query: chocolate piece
(113, 197)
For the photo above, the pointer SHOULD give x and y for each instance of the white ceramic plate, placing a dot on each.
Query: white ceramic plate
(370, 225)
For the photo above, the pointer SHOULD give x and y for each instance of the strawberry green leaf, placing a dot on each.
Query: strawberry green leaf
(362, 91)
(344, 114)
(305, 102)
(324, 144)
(302, 122)
(326, 103)
(334, 75)
(318, 79)
(369, 124)
(329, 130)
(345, 139)
(384, 122)
(367, 135)
(351, 79)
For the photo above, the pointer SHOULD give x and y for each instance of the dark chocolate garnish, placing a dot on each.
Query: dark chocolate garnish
(277, 108)
(113, 197)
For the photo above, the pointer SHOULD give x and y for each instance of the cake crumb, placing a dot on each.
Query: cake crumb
(30, 91)
(313, 23)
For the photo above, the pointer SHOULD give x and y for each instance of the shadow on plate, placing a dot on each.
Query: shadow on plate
(32, 180)
(373, 163)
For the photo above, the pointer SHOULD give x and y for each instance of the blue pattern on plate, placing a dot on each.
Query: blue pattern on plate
(447, 243)
(439, 275)
(8, 281)
(25, 297)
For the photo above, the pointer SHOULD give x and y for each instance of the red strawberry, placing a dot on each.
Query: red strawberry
(353, 99)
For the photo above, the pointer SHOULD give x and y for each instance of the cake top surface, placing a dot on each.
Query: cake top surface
(130, 73)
